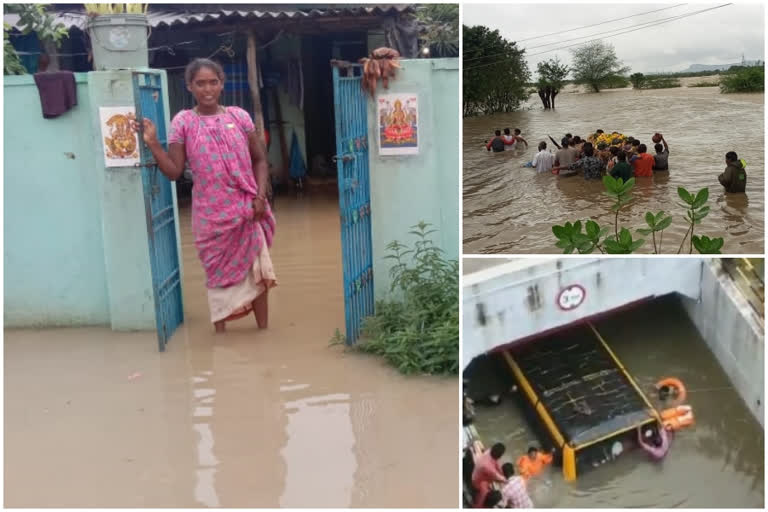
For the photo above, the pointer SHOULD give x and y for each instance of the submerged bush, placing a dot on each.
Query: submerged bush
(704, 84)
(417, 329)
(750, 79)
(641, 81)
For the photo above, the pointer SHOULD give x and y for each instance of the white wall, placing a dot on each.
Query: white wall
(726, 322)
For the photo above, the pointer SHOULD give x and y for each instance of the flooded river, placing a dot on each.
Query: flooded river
(717, 463)
(509, 209)
(276, 418)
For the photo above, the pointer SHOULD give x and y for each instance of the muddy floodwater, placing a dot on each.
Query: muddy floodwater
(276, 418)
(510, 209)
(717, 463)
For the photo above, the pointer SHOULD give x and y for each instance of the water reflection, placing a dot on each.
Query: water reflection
(319, 429)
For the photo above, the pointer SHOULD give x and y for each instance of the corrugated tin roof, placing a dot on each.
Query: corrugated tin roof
(171, 18)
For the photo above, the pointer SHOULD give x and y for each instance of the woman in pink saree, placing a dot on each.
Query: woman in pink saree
(231, 218)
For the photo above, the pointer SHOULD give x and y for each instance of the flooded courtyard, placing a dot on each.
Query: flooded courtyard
(275, 418)
(511, 209)
(716, 463)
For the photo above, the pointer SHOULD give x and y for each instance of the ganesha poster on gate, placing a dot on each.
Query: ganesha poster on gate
(120, 141)
(398, 117)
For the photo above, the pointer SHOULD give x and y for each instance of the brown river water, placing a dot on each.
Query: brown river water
(717, 463)
(277, 418)
(510, 209)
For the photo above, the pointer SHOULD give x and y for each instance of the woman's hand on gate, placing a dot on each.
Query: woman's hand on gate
(148, 131)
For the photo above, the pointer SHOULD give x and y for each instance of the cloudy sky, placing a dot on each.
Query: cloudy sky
(719, 36)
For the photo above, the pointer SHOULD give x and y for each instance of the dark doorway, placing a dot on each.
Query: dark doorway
(317, 52)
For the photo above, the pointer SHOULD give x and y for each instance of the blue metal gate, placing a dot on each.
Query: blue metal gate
(351, 112)
(160, 214)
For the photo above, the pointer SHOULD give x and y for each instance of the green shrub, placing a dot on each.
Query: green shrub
(641, 81)
(661, 82)
(616, 82)
(638, 80)
(705, 84)
(417, 329)
(744, 80)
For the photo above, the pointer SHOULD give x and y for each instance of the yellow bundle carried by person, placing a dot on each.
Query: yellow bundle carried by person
(610, 139)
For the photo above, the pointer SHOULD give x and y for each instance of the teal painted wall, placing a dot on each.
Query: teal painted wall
(53, 258)
(76, 250)
(126, 249)
(409, 189)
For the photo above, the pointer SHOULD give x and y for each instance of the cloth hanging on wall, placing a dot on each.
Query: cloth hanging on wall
(58, 92)
(294, 83)
(298, 168)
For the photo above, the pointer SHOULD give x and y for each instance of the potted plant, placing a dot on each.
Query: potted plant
(118, 35)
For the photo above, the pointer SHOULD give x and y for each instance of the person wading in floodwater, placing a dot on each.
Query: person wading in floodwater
(496, 143)
(659, 445)
(734, 178)
(232, 221)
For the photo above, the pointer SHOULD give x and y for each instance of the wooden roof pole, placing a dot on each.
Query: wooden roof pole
(253, 85)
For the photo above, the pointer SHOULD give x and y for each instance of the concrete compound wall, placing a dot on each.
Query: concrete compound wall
(726, 322)
(53, 254)
(425, 187)
(76, 250)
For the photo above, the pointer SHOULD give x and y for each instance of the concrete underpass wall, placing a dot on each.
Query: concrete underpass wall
(727, 324)
(516, 300)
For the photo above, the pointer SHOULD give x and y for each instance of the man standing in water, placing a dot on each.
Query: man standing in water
(514, 492)
(661, 158)
(543, 160)
(487, 471)
(496, 144)
(566, 155)
(734, 178)
(659, 445)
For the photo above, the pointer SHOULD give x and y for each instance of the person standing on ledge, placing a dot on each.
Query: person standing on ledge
(232, 221)
(734, 178)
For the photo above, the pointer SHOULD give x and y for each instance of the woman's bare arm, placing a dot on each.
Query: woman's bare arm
(259, 162)
(170, 163)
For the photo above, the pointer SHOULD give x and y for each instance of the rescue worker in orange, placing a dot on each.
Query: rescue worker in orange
(533, 463)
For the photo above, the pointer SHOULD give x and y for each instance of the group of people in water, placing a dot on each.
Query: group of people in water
(511, 484)
(505, 485)
(612, 154)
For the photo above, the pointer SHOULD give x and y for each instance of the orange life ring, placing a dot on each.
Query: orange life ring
(677, 417)
(674, 383)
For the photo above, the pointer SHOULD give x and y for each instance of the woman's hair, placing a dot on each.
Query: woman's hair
(622, 156)
(614, 150)
(588, 150)
(198, 64)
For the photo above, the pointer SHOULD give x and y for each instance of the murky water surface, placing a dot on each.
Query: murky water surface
(718, 463)
(510, 209)
(276, 418)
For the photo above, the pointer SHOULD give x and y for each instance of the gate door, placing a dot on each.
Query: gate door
(160, 214)
(351, 114)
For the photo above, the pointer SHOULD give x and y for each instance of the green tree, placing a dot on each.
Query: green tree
(440, 29)
(32, 18)
(596, 64)
(552, 74)
(638, 80)
(495, 72)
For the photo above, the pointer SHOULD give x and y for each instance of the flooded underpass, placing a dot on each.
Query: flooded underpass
(716, 463)
(277, 418)
(511, 209)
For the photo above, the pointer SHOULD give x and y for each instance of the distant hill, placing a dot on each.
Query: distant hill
(696, 68)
